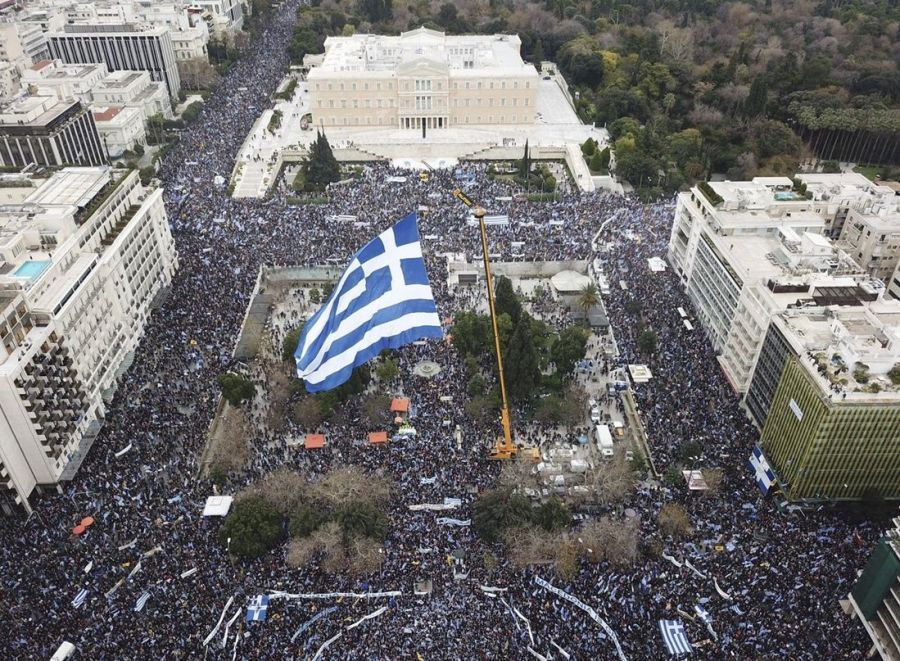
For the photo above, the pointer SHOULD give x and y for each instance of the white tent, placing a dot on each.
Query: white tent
(217, 505)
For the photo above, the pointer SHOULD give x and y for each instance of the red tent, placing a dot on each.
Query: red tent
(78, 530)
(87, 521)
(377, 437)
(400, 405)
(314, 441)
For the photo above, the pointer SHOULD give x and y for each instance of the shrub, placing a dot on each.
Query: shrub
(236, 388)
(498, 510)
(305, 519)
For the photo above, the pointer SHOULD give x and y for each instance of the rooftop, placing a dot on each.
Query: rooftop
(107, 114)
(33, 111)
(472, 54)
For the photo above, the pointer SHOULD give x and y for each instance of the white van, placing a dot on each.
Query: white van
(604, 441)
(65, 651)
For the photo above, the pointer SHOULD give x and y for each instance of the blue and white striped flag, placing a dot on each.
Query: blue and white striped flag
(141, 602)
(674, 637)
(382, 301)
(763, 473)
(706, 618)
(79, 599)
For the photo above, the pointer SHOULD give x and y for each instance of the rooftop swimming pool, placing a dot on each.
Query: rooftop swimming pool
(787, 196)
(32, 268)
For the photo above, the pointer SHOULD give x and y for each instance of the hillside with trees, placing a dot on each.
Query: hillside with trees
(688, 88)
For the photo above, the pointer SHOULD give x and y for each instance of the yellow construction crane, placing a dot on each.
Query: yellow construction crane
(504, 448)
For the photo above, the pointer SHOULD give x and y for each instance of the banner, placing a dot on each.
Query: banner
(694, 569)
(219, 623)
(587, 609)
(561, 650)
(446, 521)
(722, 594)
(315, 618)
(278, 594)
(370, 616)
(433, 507)
(326, 644)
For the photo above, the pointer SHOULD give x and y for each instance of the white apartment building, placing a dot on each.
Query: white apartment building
(873, 240)
(422, 79)
(893, 284)
(133, 89)
(191, 43)
(225, 16)
(84, 257)
(837, 194)
(120, 47)
(22, 42)
(9, 81)
(120, 128)
(756, 253)
(64, 81)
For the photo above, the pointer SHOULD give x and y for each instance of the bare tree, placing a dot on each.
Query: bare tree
(608, 539)
(364, 555)
(197, 74)
(609, 481)
(713, 478)
(674, 521)
(348, 484)
(565, 558)
(529, 546)
(308, 413)
(376, 409)
(284, 489)
(328, 538)
(301, 551)
(229, 448)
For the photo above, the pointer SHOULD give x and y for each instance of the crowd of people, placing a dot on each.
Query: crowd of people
(782, 574)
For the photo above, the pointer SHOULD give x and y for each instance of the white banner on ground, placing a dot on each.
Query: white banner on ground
(370, 616)
(128, 545)
(123, 451)
(189, 572)
(446, 521)
(722, 594)
(228, 626)
(587, 609)
(427, 480)
(527, 623)
(88, 567)
(672, 560)
(278, 594)
(135, 570)
(433, 507)
(219, 623)
(561, 650)
(325, 645)
(540, 657)
(113, 589)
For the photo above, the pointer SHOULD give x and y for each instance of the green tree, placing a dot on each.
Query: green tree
(588, 297)
(647, 342)
(497, 510)
(894, 374)
(596, 163)
(235, 388)
(505, 299)
(471, 333)
(387, 370)
(305, 519)
(289, 344)
(362, 518)
(192, 111)
(146, 174)
(568, 349)
(253, 526)
(755, 104)
(552, 515)
(771, 137)
(525, 163)
(589, 147)
(320, 167)
(522, 364)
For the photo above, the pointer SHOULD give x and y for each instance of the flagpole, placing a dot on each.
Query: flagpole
(503, 449)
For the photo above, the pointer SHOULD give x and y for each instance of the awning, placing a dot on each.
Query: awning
(400, 405)
(377, 437)
(217, 505)
(314, 441)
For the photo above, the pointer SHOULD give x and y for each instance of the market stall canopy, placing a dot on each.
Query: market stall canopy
(400, 405)
(314, 441)
(377, 437)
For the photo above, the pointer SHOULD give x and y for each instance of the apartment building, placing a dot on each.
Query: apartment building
(133, 89)
(224, 16)
(422, 79)
(64, 81)
(10, 81)
(873, 240)
(84, 256)
(827, 388)
(45, 131)
(22, 42)
(750, 256)
(120, 47)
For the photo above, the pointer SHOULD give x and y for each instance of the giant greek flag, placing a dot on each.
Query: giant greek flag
(382, 301)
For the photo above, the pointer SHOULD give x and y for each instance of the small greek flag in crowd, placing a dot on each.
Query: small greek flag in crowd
(141, 602)
(674, 637)
(258, 608)
(79, 599)
(382, 301)
(703, 614)
(764, 475)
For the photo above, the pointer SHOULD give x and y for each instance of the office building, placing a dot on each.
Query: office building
(120, 47)
(45, 131)
(422, 79)
(875, 597)
(826, 391)
(10, 81)
(85, 255)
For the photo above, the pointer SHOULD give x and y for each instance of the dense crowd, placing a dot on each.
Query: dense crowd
(784, 573)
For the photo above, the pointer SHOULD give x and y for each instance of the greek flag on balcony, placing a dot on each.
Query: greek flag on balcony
(674, 637)
(382, 301)
(764, 475)
(258, 608)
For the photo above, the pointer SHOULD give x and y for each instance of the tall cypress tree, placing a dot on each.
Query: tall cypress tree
(522, 363)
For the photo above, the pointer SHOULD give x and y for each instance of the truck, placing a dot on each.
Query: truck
(604, 441)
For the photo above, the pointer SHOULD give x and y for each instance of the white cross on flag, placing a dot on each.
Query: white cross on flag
(258, 608)
(763, 473)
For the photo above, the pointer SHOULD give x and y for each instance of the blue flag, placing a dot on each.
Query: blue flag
(763, 473)
(258, 608)
(382, 301)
